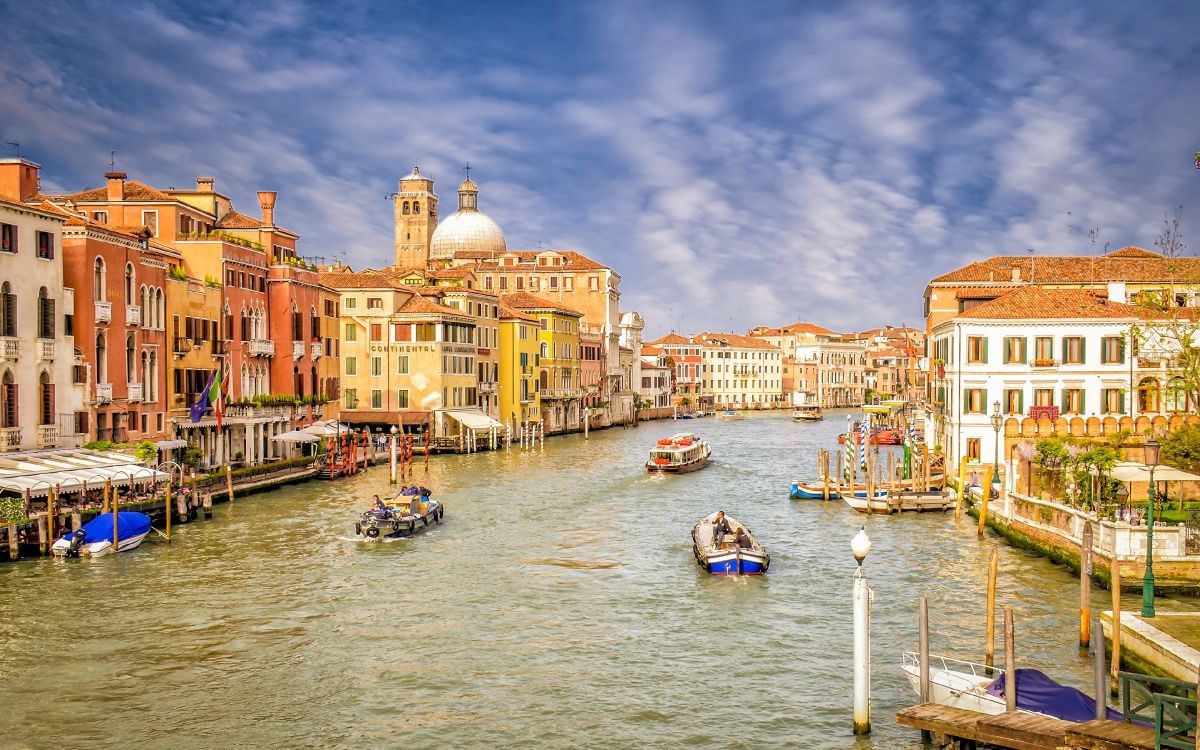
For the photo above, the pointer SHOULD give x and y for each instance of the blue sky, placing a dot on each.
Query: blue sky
(736, 163)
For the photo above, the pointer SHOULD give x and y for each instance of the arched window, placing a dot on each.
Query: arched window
(314, 324)
(245, 326)
(46, 399)
(545, 378)
(416, 207)
(98, 279)
(101, 359)
(405, 208)
(1177, 399)
(312, 380)
(45, 315)
(129, 283)
(152, 381)
(545, 350)
(1147, 396)
(297, 325)
(145, 375)
(8, 311)
(9, 414)
(297, 382)
(160, 317)
(130, 359)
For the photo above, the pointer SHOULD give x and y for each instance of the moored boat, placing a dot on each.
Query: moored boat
(884, 436)
(728, 415)
(95, 538)
(732, 552)
(812, 491)
(815, 490)
(678, 454)
(409, 513)
(807, 413)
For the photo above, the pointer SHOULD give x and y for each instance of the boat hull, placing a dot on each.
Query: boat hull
(739, 563)
(374, 528)
(677, 469)
(803, 491)
(728, 559)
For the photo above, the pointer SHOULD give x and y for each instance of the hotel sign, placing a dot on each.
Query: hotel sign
(403, 348)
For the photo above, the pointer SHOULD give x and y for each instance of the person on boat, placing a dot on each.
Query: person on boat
(720, 526)
(379, 505)
(743, 539)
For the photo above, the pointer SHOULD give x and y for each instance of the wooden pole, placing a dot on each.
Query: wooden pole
(1115, 581)
(1010, 661)
(923, 634)
(50, 503)
(925, 468)
(43, 545)
(229, 482)
(14, 545)
(962, 487)
(1085, 586)
(987, 494)
(826, 491)
(989, 648)
(1100, 673)
(167, 509)
(116, 511)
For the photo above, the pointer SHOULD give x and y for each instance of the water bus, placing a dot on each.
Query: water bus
(678, 454)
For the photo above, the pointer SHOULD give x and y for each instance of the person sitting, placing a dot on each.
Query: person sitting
(720, 526)
(380, 507)
(743, 539)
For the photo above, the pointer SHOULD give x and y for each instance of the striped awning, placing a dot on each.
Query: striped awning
(71, 470)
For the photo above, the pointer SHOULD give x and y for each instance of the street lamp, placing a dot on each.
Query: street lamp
(1151, 450)
(997, 422)
(860, 546)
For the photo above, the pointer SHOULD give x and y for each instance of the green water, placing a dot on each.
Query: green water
(558, 606)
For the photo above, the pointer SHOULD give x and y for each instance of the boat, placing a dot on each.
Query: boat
(729, 415)
(736, 554)
(95, 538)
(687, 416)
(409, 513)
(886, 502)
(884, 436)
(816, 490)
(975, 687)
(807, 413)
(678, 454)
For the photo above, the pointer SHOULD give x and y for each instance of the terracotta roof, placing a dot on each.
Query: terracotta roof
(46, 208)
(133, 191)
(807, 328)
(733, 339)
(526, 301)
(1040, 303)
(454, 289)
(235, 220)
(508, 313)
(671, 338)
(1126, 264)
(450, 273)
(651, 351)
(419, 305)
(359, 280)
(572, 261)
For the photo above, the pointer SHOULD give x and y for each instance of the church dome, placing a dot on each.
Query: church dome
(468, 229)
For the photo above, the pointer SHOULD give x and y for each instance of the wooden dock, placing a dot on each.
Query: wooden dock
(1022, 731)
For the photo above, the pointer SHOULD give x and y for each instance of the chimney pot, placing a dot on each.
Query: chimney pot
(204, 184)
(1016, 275)
(116, 185)
(266, 199)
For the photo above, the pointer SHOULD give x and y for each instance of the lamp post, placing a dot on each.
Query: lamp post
(997, 422)
(1151, 449)
(393, 451)
(860, 546)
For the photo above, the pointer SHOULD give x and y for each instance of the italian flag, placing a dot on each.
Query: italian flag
(214, 395)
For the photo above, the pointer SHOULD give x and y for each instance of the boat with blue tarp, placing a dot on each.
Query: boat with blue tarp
(95, 538)
(725, 546)
(407, 514)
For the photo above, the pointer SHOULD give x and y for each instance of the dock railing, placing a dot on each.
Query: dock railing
(1167, 705)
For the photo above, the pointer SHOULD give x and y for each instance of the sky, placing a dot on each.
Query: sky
(738, 164)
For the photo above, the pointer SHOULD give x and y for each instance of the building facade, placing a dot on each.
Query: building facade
(558, 355)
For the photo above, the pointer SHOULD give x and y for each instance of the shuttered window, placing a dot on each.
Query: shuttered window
(45, 319)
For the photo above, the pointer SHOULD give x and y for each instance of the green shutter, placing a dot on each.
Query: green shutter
(1121, 357)
(1007, 349)
(983, 344)
(1082, 352)
(1021, 400)
(1082, 401)
(1064, 351)
(1122, 392)
(1065, 400)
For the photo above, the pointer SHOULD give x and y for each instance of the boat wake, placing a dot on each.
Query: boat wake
(565, 562)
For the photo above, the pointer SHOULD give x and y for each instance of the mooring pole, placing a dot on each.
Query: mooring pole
(923, 634)
(1114, 580)
(1100, 672)
(989, 649)
(1085, 585)
(393, 459)
(1010, 661)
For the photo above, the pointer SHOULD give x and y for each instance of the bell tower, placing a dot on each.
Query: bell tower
(416, 218)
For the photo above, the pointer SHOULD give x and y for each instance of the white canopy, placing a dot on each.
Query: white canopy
(328, 427)
(166, 445)
(473, 418)
(297, 436)
(1132, 471)
(71, 471)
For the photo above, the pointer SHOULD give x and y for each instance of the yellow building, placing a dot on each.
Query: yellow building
(559, 381)
(519, 376)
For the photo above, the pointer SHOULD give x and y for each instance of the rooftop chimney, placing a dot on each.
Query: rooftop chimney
(1116, 291)
(204, 184)
(266, 199)
(1016, 275)
(116, 185)
(19, 179)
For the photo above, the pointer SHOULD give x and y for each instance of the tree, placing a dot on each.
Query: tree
(146, 451)
(1052, 456)
(1181, 448)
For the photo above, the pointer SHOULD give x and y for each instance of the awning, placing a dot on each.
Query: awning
(73, 480)
(410, 417)
(473, 418)
(328, 427)
(170, 445)
(297, 436)
(1132, 471)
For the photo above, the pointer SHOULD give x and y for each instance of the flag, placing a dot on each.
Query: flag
(214, 394)
(201, 404)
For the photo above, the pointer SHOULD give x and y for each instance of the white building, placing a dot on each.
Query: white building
(655, 388)
(41, 389)
(741, 371)
(835, 366)
(1064, 352)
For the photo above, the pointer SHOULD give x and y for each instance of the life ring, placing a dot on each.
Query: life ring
(373, 532)
(357, 529)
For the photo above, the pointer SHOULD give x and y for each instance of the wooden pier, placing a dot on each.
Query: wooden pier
(966, 729)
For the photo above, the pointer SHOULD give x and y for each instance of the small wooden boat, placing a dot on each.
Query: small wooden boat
(881, 437)
(408, 514)
(729, 415)
(678, 454)
(807, 413)
(95, 538)
(735, 553)
(816, 490)
(886, 502)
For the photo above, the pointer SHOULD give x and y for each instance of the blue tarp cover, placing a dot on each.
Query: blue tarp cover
(100, 528)
(1037, 692)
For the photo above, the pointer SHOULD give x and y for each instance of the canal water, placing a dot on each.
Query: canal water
(558, 606)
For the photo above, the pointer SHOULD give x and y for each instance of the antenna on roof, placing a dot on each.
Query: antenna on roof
(112, 160)
(16, 146)
(1032, 276)
(1070, 234)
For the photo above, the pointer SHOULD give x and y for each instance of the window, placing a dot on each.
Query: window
(1015, 350)
(376, 398)
(8, 238)
(503, 283)
(150, 221)
(974, 401)
(45, 317)
(402, 398)
(350, 303)
(1073, 350)
(8, 311)
(1072, 401)
(377, 332)
(351, 398)
(100, 216)
(1147, 396)
(45, 245)
(976, 350)
(1112, 350)
(1114, 400)
(374, 303)
(1014, 401)
(351, 332)
(376, 367)
(1043, 351)
(351, 365)
(1176, 397)
(972, 449)
(1043, 397)
(593, 283)
(402, 364)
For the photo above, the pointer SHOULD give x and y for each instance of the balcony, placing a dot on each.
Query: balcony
(10, 438)
(1043, 364)
(133, 315)
(10, 348)
(487, 387)
(262, 348)
(45, 349)
(181, 346)
(47, 436)
(318, 350)
(104, 393)
(103, 312)
(297, 350)
(136, 392)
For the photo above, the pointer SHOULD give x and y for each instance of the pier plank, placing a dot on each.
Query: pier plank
(934, 717)
(1103, 734)
(1021, 731)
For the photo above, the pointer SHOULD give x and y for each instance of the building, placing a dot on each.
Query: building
(741, 372)
(558, 356)
(1051, 353)
(688, 377)
(41, 378)
(654, 390)
(830, 368)
(519, 377)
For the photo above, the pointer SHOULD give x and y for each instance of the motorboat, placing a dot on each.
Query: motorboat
(95, 538)
(807, 413)
(976, 687)
(409, 513)
(883, 436)
(733, 553)
(729, 415)
(678, 454)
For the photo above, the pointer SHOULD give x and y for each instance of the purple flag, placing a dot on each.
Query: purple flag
(201, 404)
